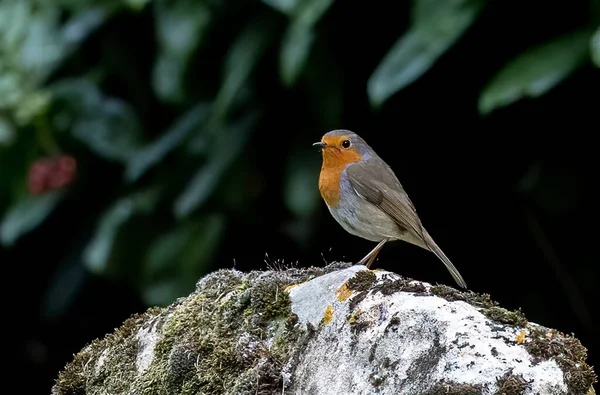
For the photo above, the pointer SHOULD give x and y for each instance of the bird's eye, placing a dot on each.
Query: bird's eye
(346, 143)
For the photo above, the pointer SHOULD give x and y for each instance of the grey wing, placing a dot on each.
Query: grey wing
(382, 188)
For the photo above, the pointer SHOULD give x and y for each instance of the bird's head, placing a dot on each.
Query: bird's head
(342, 147)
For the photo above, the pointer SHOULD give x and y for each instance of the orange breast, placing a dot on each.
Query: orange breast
(334, 162)
(329, 184)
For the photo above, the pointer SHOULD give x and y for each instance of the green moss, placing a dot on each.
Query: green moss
(445, 387)
(511, 384)
(233, 335)
(389, 287)
(452, 294)
(271, 302)
(506, 316)
(207, 329)
(244, 285)
(105, 365)
(361, 281)
(569, 354)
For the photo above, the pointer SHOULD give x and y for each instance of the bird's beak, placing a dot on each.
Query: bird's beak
(320, 144)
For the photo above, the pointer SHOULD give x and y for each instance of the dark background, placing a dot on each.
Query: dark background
(507, 195)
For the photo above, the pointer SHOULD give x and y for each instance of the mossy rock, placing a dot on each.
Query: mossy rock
(296, 330)
(233, 335)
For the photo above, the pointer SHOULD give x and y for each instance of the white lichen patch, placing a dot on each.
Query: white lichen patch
(147, 338)
(101, 360)
(310, 300)
(405, 343)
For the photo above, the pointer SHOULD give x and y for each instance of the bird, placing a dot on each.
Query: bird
(364, 195)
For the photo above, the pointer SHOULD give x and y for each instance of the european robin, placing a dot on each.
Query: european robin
(365, 197)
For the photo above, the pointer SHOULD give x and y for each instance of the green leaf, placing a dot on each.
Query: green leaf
(284, 6)
(152, 154)
(227, 144)
(7, 132)
(97, 253)
(112, 132)
(14, 21)
(535, 71)
(108, 126)
(83, 23)
(74, 96)
(241, 60)
(26, 214)
(435, 27)
(42, 47)
(301, 194)
(595, 47)
(299, 38)
(180, 27)
(137, 5)
(29, 45)
(309, 12)
(295, 49)
(30, 105)
(34, 42)
(181, 256)
(47, 42)
(11, 89)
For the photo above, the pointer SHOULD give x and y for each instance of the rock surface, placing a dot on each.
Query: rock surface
(336, 330)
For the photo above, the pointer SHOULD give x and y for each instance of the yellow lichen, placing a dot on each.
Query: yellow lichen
(328, 315)
(352, 319)
(289, 287)
(343, 292)
(520, 337)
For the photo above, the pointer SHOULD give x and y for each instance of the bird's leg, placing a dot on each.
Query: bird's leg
(370, 257)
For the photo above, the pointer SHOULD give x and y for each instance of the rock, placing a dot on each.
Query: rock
(336, 330)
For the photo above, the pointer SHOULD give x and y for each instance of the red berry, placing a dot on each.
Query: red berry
(51, 173)
(38, 173)
(67, 164)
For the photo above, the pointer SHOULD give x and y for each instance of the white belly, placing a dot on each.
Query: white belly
(363, 219)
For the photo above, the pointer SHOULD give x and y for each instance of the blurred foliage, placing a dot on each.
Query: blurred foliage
(435, 27)
(537, 70)
(55, 100)
(595, 47)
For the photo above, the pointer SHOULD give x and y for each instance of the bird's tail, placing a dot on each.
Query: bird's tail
(433, 247)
